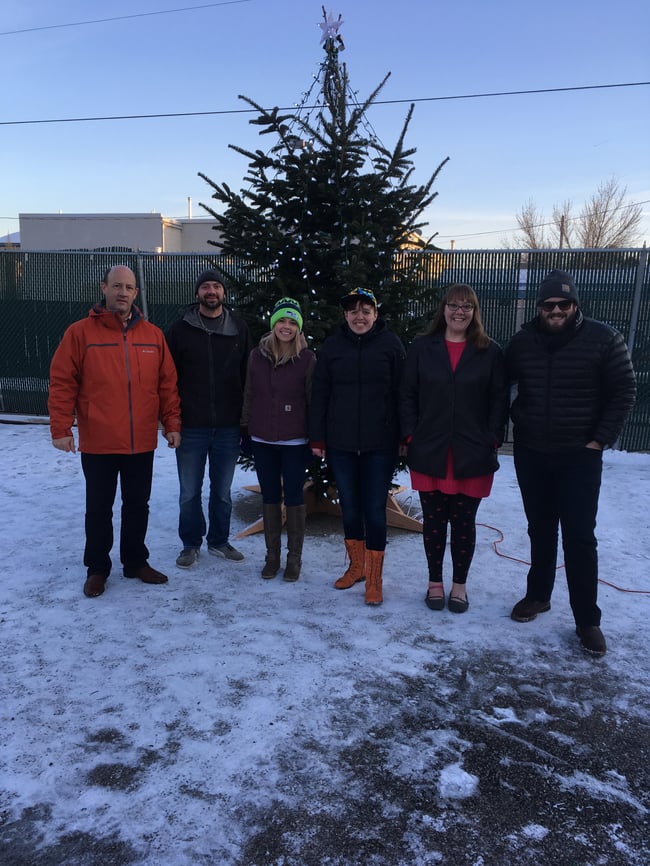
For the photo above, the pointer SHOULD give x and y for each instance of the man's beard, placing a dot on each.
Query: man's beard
(211, 303)
(557, 326)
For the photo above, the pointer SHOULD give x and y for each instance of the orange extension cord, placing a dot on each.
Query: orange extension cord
(500, 539)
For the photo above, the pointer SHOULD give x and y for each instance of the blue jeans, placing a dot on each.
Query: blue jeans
(363, 481)
(220, 446)
(281, 467)
(561, 490)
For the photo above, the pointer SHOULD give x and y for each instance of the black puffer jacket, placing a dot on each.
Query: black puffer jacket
(354, 398)
(465, 409)
(211, 368)
(572, 388)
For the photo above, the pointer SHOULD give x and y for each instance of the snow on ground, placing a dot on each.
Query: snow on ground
(225, 720)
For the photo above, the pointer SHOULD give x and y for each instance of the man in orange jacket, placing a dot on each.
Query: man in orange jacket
(113, 370)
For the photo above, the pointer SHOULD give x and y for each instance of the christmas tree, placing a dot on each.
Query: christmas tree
(326, 208)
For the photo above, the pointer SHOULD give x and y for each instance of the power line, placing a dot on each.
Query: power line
(515, 92)
(121, 17)
(311, 107)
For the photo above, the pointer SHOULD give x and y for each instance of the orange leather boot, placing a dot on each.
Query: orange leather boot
(374, 569)
(356, 569)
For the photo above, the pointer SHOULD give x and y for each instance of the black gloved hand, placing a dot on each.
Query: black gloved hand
(246, 446)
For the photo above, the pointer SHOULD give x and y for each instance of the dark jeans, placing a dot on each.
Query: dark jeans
(101, 471)
(281, 467)
(220, 447)
(363, 481)
(562, 489)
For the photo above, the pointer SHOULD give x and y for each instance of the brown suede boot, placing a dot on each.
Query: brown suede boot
(356, 569)
(295, 538)
(272, 515)
(375, 566)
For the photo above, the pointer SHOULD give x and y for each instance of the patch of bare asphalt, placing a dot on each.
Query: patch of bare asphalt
(558, 774)
(561, 777)
(21, 844)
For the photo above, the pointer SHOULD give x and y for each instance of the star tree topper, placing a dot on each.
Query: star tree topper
(330, 30)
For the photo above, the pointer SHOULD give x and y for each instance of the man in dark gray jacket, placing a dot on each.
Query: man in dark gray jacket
(575, 389)
(210, 346)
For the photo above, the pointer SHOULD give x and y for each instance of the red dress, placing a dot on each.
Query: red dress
(478, 487)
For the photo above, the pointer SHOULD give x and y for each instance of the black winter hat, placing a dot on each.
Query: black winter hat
(212, 275)
(557, 284)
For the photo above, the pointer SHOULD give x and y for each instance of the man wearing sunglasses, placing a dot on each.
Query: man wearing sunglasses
(575, 389)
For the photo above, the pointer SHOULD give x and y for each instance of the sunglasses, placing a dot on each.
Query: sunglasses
(549, 306)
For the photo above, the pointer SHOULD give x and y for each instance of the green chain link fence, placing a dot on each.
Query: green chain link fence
(41, 293)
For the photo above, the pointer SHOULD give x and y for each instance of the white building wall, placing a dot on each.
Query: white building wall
(90, 231)
(172, 237)
(146, 232)
(197, 233)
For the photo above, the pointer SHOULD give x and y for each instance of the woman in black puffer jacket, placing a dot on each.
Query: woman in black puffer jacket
(355, 423)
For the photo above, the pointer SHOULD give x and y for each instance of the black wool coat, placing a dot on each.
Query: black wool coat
(465, 410)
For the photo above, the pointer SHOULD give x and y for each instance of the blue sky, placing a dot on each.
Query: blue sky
(503, 150)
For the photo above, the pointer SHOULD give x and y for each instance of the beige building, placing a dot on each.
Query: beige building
(148, 232)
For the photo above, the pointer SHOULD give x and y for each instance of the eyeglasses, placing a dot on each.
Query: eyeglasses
(549, 306)
(466, 308)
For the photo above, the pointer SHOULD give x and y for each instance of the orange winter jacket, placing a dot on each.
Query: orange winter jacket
(118, 382)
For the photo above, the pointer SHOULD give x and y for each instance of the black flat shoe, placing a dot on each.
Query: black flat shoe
(457, 605)
(437, 603)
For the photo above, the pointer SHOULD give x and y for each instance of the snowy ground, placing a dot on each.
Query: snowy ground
(225, 720)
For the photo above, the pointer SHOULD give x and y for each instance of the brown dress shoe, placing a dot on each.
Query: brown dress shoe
(146, 574)
(94, 585)
(592, 640)
(527, 609)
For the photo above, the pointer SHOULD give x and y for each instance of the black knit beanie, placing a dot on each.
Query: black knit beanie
(557, 284)
(212, 275)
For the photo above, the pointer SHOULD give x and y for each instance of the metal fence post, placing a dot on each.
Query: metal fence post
(143, 286)
(522, 293)
(636, 301)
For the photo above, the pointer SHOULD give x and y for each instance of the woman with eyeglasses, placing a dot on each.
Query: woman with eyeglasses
(454, 408)
(355, 424)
